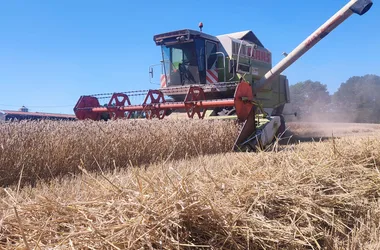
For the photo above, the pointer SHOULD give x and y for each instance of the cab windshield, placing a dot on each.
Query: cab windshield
(187, 63)
(180, 63)
(178, 55)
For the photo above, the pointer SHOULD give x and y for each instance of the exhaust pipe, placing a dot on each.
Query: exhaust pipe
(359, 7)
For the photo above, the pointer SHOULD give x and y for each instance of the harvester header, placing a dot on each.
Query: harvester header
(225, 76)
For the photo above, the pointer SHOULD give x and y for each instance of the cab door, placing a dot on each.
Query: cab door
(211, 62)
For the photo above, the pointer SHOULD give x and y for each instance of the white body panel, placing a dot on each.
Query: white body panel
(267, 134)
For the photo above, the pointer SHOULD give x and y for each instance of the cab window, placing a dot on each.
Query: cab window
(211, 55)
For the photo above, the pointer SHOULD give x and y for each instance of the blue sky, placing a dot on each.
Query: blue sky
(51, 52)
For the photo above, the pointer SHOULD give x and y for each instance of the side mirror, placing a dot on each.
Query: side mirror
(232, 66)
(151, 72)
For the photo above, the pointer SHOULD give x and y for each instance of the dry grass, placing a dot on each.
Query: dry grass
(318, 195)
(46, 149)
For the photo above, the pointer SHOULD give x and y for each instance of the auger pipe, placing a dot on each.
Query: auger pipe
(359, 7)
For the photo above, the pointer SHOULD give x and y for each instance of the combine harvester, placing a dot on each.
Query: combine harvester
(227, 76)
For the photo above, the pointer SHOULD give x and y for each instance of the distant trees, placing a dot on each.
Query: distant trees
(309, 97)
(356, 100)
(360, 96)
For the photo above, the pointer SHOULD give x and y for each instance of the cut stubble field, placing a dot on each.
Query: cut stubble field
(176, 185)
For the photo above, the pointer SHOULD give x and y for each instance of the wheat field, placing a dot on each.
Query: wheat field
(48, 149)
(176, 185)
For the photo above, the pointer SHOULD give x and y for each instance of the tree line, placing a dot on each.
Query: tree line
(356, 100)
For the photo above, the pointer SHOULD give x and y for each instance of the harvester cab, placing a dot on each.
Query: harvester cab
(187, 56)
(225, 76)
(217, 64)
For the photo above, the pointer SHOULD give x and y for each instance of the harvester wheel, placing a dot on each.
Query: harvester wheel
(194, 95)
(151, 104)
(118, 100)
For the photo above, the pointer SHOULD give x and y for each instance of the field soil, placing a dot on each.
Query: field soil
(320, 189)
(314, 129)
(298, 132)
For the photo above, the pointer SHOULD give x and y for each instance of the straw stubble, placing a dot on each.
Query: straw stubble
(312, 195)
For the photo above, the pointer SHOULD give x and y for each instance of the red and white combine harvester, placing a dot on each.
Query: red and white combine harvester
(226, 76)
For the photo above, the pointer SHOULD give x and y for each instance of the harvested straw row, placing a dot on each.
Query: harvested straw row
(42, 150)
(321, 195)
